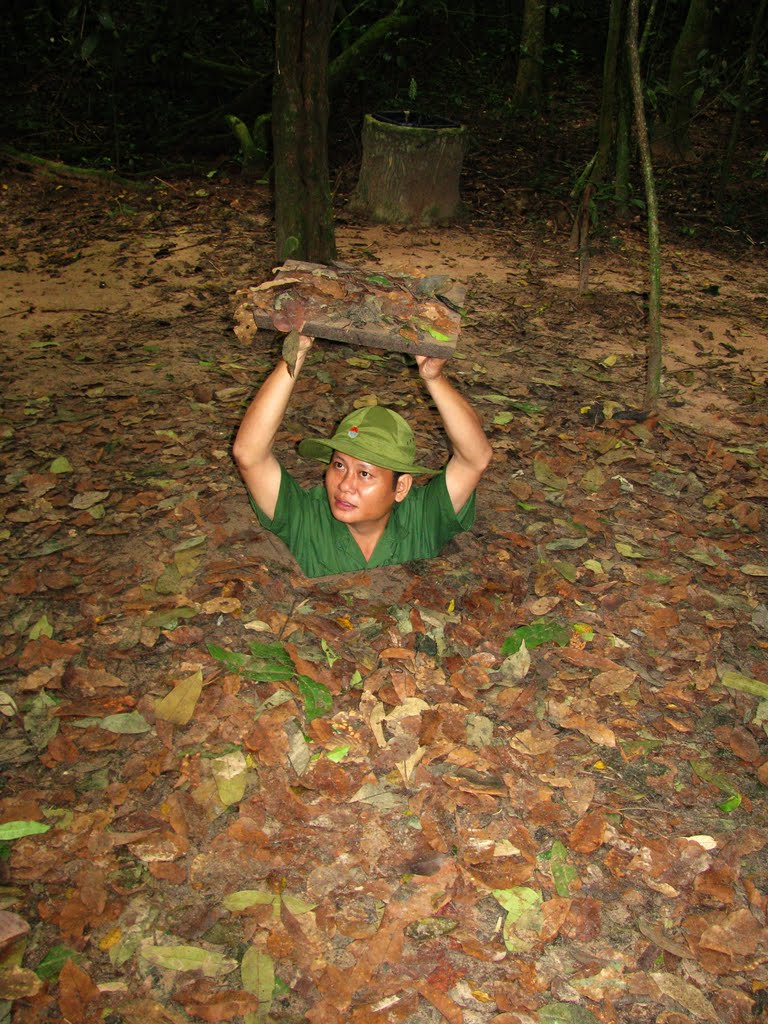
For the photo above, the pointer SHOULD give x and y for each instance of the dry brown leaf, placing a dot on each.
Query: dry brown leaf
(744, 745)
(12, 927)
(687, 995)
(554, 914)
(79, 997)
(580, 794)
(202, 999)
(738, 934)
(397, 654)
(589, 834)
(92, 680)
(539, 739)
(657, 936)
(18, 983)
(617, 680)
(598, 732)
(279, 282)
(148, 1011)
(443, 1003)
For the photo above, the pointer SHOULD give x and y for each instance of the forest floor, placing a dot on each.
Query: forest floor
(245, 795)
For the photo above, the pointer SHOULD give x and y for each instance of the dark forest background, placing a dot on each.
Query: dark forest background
(143, 88)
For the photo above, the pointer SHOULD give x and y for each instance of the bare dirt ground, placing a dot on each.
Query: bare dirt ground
(432, 827)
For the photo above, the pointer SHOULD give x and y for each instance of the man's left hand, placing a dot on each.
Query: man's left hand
(430, 367)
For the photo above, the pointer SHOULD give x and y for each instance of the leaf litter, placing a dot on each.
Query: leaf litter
(524, 782)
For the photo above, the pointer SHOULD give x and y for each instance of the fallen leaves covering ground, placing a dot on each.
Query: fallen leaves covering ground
(524, 782)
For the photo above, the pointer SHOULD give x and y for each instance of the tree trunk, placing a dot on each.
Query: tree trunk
(410, 169)
(303, 211)
(529, 83)
(611, 67)
(623, 163)
(653, 344)
(683, 80)
(743, 101)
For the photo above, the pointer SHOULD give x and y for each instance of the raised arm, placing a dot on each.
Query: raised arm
(471, 449)
(252, 449)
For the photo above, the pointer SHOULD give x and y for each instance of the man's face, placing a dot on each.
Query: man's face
(360, 493)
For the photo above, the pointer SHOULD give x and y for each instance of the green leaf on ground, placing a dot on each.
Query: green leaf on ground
(7, 705)
(168, 619)
(629, 550)
(563, 873)
(567, 544)
(41, 628)
(40, 722)
(265, 663)
(566, 1013)
(129, 723)
(566, 569)
(541, 631)
(529, 408)
(188, 958)
(338, 754)
(330, 655)
(523, 920)
(437, 335)
(19, 829)
(736, 681)
(53, 961)
(517, 899)
(257, 972)
(245, 898)
(296, 905)
(317, 698)
(720, 780)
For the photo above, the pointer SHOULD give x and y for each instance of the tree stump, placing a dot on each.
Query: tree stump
(410, 169)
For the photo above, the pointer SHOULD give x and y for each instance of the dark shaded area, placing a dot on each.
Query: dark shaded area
(140, 86)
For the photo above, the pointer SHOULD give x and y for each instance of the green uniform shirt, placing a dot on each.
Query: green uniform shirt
(418, 527)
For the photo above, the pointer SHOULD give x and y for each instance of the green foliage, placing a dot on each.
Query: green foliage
(53, 961)
(265, 663)
(272, 663)
(317, 697)
(541, 631)
(19, 829)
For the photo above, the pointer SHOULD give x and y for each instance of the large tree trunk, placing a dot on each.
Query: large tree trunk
(673, 139)
(742, 103)
(303, 211)
(529, 83)
(611, 72)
